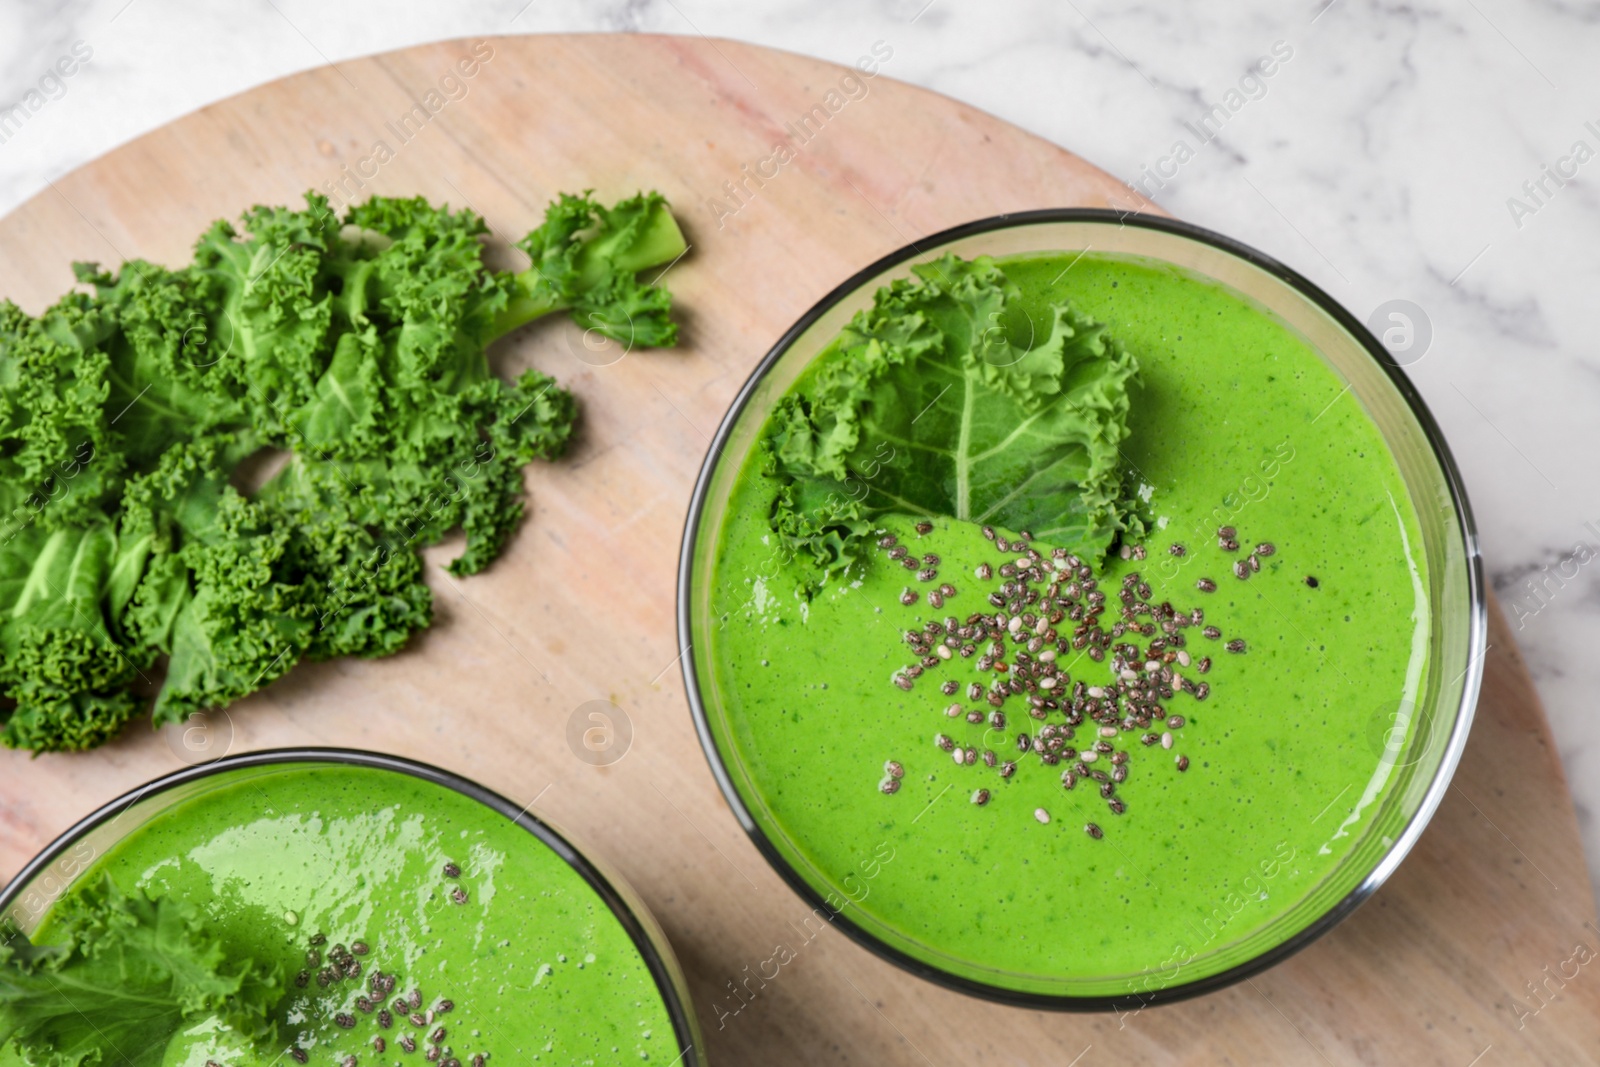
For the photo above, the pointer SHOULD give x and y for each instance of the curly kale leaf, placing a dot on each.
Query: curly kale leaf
(135, 556)
(587, 257)
(59, 459)
(59, 660)
(122, 975)
(943, 399)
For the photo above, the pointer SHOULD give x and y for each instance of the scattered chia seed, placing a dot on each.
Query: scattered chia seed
(1016, 644)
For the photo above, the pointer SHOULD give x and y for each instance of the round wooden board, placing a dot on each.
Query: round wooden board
(1440, 967)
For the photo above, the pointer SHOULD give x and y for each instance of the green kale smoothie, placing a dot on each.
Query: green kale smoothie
(942, 837)
(514, 954)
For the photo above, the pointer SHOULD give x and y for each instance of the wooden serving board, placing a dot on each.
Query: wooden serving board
(1436, 969)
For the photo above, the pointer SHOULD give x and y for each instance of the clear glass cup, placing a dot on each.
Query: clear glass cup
(1424, 755)
(27, 898)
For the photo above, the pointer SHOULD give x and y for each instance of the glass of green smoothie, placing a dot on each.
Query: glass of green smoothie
(331, 906)
(1081, 610)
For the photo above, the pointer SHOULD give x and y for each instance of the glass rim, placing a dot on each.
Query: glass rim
(618, 896)
(1477, 620)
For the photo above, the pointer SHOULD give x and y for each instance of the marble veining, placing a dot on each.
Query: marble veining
(1417, 151)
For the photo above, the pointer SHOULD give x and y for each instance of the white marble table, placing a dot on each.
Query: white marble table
(1422, 152)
